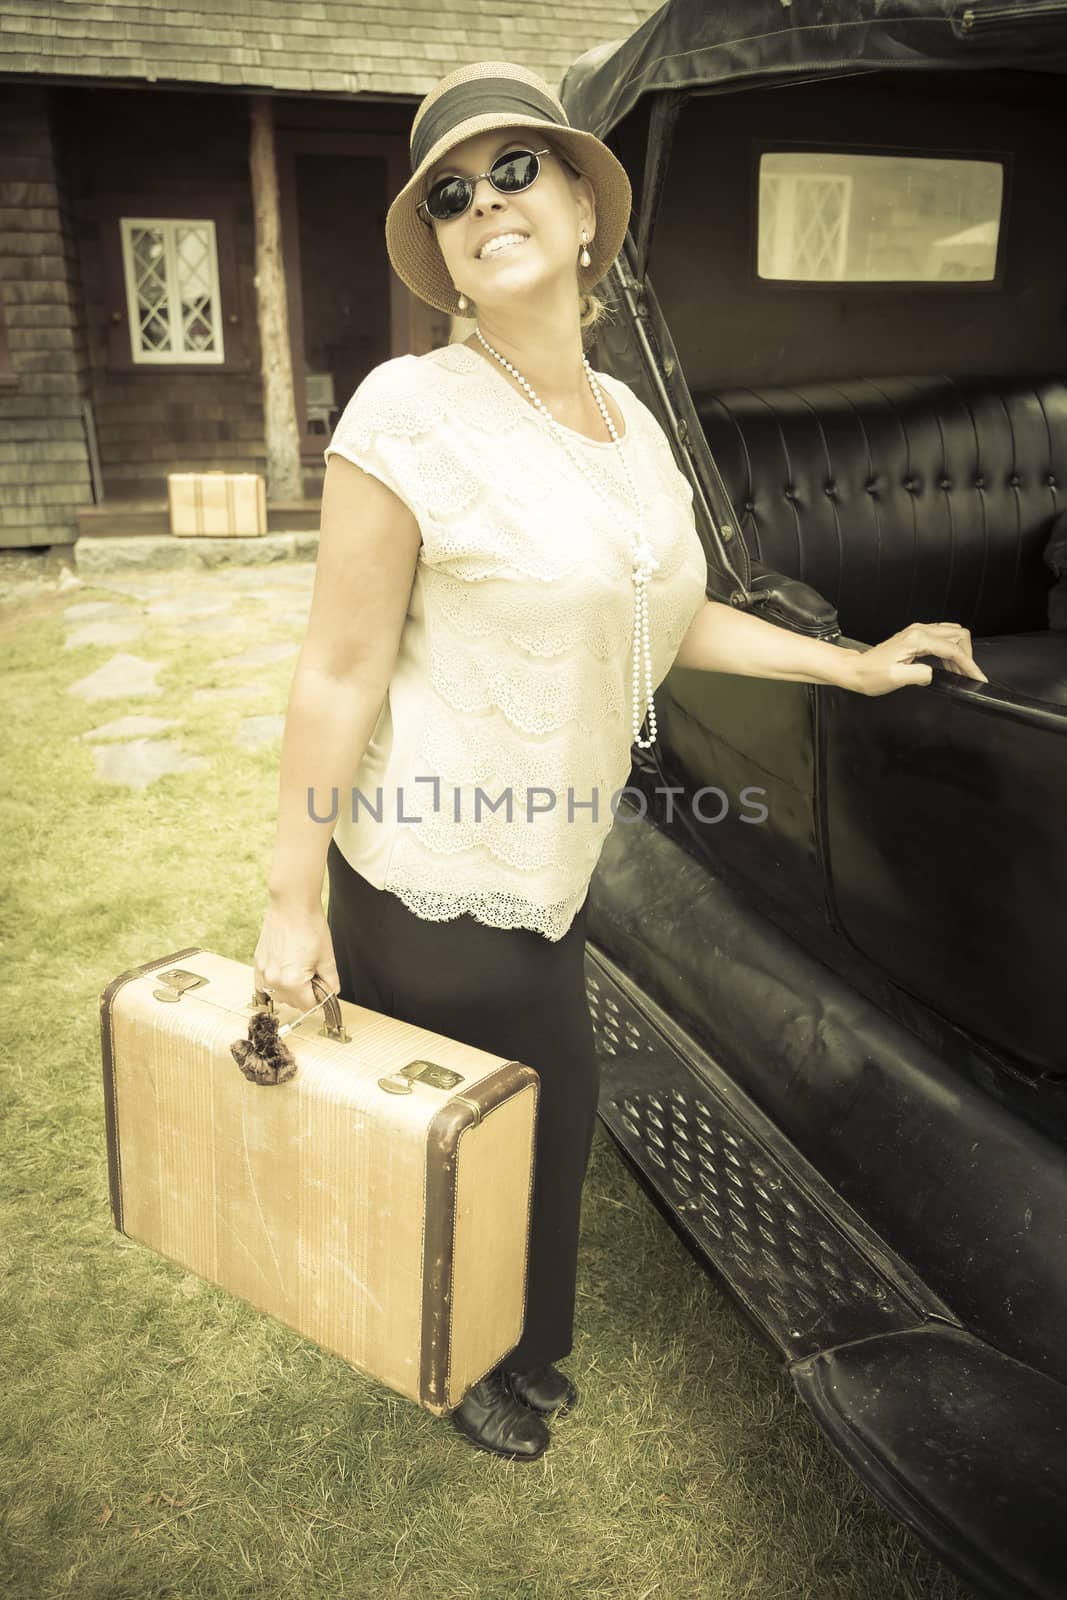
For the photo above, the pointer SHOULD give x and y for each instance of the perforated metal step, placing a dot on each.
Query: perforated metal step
(802, 1265)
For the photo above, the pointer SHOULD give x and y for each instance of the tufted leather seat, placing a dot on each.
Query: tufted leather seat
(908, 500)
(926, 825)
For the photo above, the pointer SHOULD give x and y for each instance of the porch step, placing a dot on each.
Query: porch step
(140, 518)
(122, 553)
(121, 517)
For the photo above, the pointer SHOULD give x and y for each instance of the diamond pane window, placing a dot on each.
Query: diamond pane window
(172, 290)
(831, 216)
(806, 221)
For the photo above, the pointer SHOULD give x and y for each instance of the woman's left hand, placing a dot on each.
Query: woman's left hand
(891, 664)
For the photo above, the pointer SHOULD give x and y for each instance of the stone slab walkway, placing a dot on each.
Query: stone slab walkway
(208, 608)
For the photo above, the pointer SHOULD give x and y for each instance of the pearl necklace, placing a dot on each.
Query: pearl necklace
(643, 561)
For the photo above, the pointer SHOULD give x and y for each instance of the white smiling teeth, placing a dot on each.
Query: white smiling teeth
(500, 243)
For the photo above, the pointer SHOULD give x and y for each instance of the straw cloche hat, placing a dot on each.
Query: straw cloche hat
(472, 100)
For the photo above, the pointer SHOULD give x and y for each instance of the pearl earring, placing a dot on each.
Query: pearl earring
(585, 258)
(462, 302)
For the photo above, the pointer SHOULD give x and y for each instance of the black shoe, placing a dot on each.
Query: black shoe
(544, 1389)
(492, 1419)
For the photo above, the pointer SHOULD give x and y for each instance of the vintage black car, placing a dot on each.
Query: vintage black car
(835, 1040)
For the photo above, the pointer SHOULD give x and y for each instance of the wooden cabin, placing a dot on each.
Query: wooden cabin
(193, 272)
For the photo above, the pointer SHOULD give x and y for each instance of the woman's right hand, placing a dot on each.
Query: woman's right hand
(294, 943)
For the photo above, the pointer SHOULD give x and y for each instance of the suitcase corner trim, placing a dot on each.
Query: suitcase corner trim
(107, 1045)
(451, 1122)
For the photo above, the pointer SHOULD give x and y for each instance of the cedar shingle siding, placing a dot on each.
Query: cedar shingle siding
(44, 462)
(306, 46)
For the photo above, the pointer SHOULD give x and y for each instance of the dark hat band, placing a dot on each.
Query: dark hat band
(474, 99)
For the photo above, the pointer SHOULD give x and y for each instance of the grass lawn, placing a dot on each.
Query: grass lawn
(161, 1440)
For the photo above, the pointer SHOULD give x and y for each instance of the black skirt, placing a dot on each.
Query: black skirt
(520, 995)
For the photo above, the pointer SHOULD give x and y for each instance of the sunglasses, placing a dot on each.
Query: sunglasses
(510, 174)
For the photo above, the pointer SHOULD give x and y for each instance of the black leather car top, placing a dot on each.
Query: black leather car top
(688, 44)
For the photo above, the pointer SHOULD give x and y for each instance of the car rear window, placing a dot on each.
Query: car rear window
(828, 216)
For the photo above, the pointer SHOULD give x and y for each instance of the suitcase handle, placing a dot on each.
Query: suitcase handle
(332, 1023)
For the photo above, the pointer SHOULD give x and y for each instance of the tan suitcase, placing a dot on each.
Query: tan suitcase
(378, 1201)
(217, 504)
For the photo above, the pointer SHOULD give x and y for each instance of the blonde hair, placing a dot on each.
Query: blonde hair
(594, 312)
(591, 308)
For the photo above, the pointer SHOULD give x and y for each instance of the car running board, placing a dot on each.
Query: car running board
(962, 1443)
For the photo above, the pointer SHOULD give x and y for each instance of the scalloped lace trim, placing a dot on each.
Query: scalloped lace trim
(470, 681)
(523, 846)
(495, 908)
(465, 750)
(539, 626)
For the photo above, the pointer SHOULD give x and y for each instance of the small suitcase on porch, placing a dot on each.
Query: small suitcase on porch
(220, 504)
(378, 1201)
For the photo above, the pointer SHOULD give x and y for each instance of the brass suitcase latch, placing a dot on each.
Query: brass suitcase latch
(420, 1072)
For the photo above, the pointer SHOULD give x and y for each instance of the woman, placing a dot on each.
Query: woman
(508, 566)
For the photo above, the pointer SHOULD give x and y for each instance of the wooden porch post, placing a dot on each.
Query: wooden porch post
(284, 474)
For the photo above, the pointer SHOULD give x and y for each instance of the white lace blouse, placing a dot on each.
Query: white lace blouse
(505, 734)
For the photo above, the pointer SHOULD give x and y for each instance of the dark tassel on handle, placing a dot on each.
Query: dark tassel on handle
(263, 1057)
